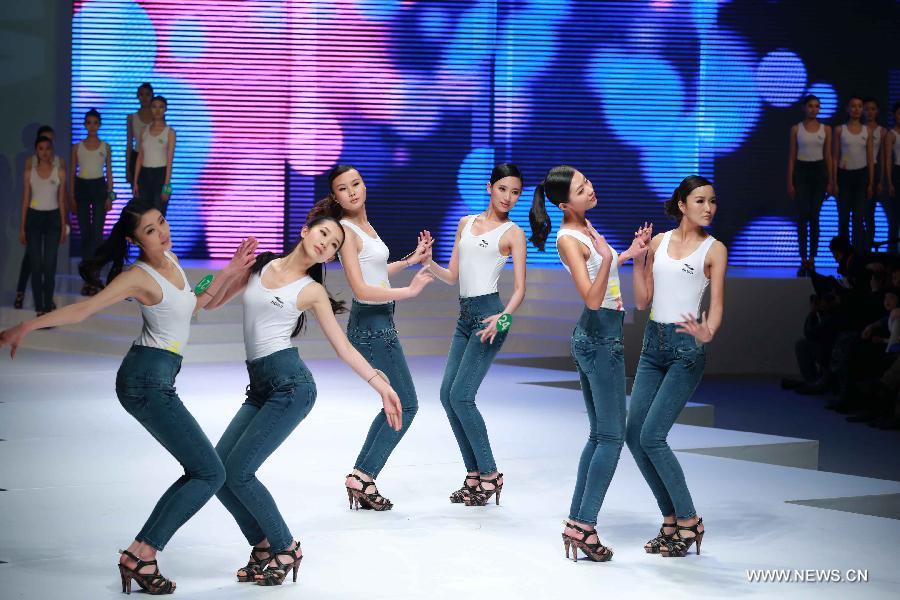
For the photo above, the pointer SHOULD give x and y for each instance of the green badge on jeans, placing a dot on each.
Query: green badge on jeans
(204, 283)
(504, 322)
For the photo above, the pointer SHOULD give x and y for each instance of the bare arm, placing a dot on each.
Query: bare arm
(71, 184)
(137, 164)
(170, 156)
(314, 297)
(231, 280)
(133, 283)
(63, 207)
(870, 163)
(829, 160)
(642, 275)
(836, 157)
(572, 254)
(109, 171)
(450, 275)
(26, 201)
(704, 331)
(513, 241)
(129, 149)
(888, 171)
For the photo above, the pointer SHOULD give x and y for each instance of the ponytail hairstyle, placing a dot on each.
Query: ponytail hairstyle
(328, 206)
(505, 169)
(687, 185)
(316, 272)
(115, 248)
(555, 188)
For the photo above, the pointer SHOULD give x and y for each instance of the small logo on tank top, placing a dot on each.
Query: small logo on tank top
(687, 269)
(276, 301)
(483, 244)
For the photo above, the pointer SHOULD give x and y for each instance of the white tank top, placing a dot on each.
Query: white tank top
(44, 191)
(373, 259)
(896, 148)
(136, 127)
(613, 297)
(167, 324)
(155, 148)
(877, 134)
(91, 162)
(270, 315)
(480, 260)
(853, 149)
(810, 146)
(678, 285)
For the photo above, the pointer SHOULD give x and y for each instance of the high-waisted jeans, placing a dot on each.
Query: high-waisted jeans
(852, 199)
(810, 181)
(467, 364)
(145, 385)
(599, 355)
(281, 393)
(42, 233)
(150, 185)
(371, 331)
(668, 372)
(90, 201)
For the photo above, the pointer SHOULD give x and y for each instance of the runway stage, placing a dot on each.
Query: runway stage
(80, 476)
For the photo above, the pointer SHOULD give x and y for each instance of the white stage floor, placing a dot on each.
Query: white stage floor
(80, 476)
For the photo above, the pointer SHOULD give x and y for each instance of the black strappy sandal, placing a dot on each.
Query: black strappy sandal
(678, 545)
(368, 501)
(276, 575)
(459, 496)
(152, 583)
(255, 566)
(595, 551)
(654, 545)
(481, 495)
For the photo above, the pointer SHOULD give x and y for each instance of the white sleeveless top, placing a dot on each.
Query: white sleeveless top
(613, 297)
(270, 315)
(91, 162)
(373, 259)
(136, 127)
(154, 148)
(853, 149)
(877, 134)
(44, 191)
(678, 285)
(167, 324)
(810, 146)
(480, 260)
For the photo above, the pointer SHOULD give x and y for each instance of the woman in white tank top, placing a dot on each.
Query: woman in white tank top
(877, 134)
(371, 327)
(153, 170)
(890, 153)
(482, 247)
(145, 382)
(44, 222)
(25, 267)
(809, 176)
(134, 125)
(597, 346)
(91, 188)
(854, 168)
(281, 393)
(671, 278)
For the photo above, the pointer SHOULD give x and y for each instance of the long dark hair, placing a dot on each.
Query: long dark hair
(317, 272)
(505, 169)
(555, 188)
(687, 185)
(115, 248)
(328, 206)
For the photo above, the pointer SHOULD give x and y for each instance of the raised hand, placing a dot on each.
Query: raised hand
(600, 244)
(244, 256)
(700, 331)
(421, 279)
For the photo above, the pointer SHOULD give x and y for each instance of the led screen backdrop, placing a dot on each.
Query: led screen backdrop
(425, 96)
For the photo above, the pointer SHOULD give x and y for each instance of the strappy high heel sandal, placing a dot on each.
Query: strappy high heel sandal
(459, 496)
(595, 551)
(481, 495)
(152, 583)
(679, 545)
(654, 545)
(20, 300)
(368, 501)
(256, 565)
(276, 575)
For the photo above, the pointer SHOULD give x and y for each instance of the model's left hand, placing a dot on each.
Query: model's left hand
(243, 257)
(12, 337)
(64, 234)
(422, 253)
(869, 191)
(699, 330)
(490, 329)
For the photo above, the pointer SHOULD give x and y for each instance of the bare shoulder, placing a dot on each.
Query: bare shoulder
(311, 295)
(718, 251)
(656, 241)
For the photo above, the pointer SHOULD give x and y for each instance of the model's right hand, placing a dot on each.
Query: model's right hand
(393, 410)
(13, 337)
(23, 239)
(418, 283)
(244, 256)
(134, 191)
(792, 191)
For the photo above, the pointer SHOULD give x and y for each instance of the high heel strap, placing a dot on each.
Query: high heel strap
(275, 575)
